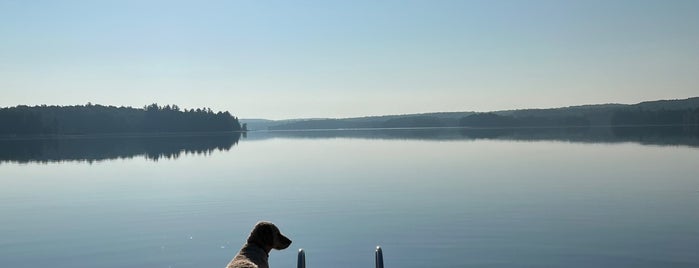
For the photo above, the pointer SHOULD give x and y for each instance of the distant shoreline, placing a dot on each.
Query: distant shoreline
(648, 113)
(476, 128)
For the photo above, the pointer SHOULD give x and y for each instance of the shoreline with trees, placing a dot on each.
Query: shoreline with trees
(660, 112)
(95, 119)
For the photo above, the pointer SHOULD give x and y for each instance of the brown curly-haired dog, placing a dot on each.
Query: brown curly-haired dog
(263, 238)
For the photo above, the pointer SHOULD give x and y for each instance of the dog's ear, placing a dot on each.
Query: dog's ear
(263, 235)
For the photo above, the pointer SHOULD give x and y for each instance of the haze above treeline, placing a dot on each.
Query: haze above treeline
(99, 119)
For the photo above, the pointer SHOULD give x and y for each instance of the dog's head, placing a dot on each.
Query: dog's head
(267, 235)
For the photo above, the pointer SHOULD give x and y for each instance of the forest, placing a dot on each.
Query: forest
(661, 112)
(619, 117)
(99, 119)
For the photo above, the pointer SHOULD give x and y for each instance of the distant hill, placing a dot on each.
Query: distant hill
(264, 124)
(690, 103)
(439, 119)
(649, 112)
(258, 124)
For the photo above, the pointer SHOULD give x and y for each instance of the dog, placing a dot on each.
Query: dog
(264, 237)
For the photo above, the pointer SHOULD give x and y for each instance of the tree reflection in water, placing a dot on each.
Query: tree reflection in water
(106, 147)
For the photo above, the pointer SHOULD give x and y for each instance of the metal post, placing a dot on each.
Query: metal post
(379, 257)
(302, 259)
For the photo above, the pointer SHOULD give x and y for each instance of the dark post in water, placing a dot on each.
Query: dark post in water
(379, 257)
(302, 259)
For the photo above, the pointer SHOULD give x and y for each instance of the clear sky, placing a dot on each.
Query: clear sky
(290, 59)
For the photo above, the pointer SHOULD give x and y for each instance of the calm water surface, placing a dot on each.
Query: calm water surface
(446, 202)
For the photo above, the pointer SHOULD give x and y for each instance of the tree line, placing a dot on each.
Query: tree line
(657, 117)
(619, 117)
(495, 120)
(661, 112)
(99, 119)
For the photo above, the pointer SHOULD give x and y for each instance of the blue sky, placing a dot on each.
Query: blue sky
(289, 59)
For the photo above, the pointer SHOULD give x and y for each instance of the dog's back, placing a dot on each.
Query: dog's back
(250, 256)
(242, 264)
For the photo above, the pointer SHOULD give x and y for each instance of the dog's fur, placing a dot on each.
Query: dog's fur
(263, 238)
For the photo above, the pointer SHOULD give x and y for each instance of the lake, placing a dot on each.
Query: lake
(430, 197)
